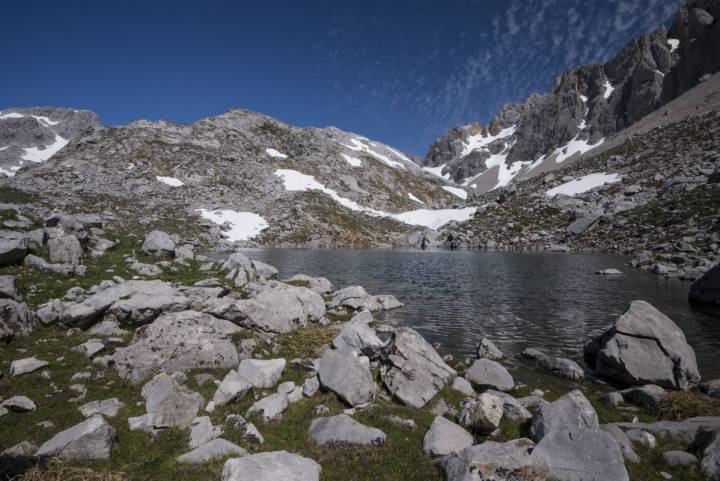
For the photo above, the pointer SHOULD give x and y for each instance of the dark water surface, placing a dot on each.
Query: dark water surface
(518, 300)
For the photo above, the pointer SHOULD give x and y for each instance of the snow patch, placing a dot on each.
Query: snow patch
(437, 171)
(276, 154)
(11, 115)
(583, 184)
(354, 161)
(412, 197)
(456, 191)
(573, 147)
(35, 154)
(479, 141)
(358, 145)
(608, 89)
(295, 181)
(243, 225)
(4, 148)
(674, 44)
(45, 120)
(435, 219)
(171, 181)
(584, 99)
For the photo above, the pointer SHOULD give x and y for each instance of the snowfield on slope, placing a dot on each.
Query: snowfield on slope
(34, 154)
(243, 225)
(295, 181)
(583, 184)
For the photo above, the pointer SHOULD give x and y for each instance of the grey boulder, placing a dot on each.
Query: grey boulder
(707, 288)
(445, 437)
(169, 404)
(344, 374)
(482, 415)
(12, 249)
(65, 250)
(487, 350)
(486, 373)
(493, 461)
(233, 387)
(271, 466)
(15, 319)
(342, 429)
(26, 366)
(415, 371)
(158, 243)
(9, 288)
(262, 374)
(108, 408)
(358, 337)
(570, 412)
(91, 439)
(216, 448)
(559, 366)
(644, 347)
(270, 407)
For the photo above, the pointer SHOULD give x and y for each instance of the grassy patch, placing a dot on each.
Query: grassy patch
(680, 405)
(305, 342)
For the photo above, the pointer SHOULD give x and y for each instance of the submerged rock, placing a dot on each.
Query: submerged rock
(556, 365)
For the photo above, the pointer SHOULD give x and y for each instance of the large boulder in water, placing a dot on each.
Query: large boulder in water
(415, 371)
(644, 347)
(707, 288)
(178, 341)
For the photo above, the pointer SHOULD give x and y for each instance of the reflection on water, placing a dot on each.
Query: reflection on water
(549, 301)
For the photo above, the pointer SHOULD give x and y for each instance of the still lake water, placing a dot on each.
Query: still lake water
(518, 300)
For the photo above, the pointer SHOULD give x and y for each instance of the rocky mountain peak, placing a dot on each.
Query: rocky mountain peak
(586, 106)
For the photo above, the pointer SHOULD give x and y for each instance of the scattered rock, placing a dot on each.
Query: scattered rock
(491, 461)
(342, 429)
(487, 350)
(9, 288)
(216, 448)
(649, 395)
(15, 319)
(233, 388)
(158, 243)
(482, 415)
(416, 372)
(25, 366)
(486, 373)
(19, 404)
(262, 374)
(679, 458)
(356, 336)
(108, 408)
(445, 437)
(91, 439)
(203, 431)
(270, 407)
(556, 365)
(271, 466)
(343, 374)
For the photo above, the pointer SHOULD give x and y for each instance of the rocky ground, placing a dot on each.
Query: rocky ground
(158, 363)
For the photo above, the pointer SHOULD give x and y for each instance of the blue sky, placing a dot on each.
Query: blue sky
(401, 72)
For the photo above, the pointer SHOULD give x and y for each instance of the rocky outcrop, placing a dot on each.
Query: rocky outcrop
(494, 461)
(178, 341)
(644, 347)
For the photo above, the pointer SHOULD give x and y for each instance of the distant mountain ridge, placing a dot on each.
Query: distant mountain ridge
(587, 105)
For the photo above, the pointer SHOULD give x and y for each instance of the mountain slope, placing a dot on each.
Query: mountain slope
(36, 134)
(254, 176)
(586, 106)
